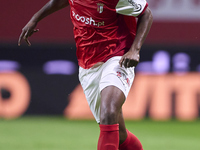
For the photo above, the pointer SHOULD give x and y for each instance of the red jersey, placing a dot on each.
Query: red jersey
(104, 28)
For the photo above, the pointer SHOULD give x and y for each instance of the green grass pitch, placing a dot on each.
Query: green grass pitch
(58, 133)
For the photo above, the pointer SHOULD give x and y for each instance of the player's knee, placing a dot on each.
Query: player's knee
(108, 117)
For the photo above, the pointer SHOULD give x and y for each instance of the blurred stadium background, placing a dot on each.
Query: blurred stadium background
(42, 105)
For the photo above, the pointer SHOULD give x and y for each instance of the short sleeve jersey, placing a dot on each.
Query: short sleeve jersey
(104, 28)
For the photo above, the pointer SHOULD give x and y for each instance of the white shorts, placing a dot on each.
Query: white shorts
(94, 80)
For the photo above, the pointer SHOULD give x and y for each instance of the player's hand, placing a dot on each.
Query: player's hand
(27, 31)
(130, 59)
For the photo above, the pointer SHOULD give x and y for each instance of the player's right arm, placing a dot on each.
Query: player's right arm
(51, 7)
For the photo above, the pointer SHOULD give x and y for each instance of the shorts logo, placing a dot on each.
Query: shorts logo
(123, 77)
(100, 7)
(137, 7)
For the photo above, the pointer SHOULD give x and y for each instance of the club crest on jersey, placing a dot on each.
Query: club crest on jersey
(72, 2)
(137, 7)
(100, 7)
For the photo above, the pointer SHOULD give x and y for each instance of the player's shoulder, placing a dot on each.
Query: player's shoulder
(131, 7)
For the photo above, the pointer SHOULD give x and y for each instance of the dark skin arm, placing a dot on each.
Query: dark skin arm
(51, 7)
(132, 57)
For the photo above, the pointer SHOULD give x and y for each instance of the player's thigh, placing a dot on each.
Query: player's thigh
(112, 99)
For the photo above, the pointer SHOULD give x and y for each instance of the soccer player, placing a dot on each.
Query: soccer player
(109, 35)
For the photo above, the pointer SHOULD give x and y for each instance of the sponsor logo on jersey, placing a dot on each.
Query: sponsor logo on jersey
(87, 20)
(100, 7)
(137, 7)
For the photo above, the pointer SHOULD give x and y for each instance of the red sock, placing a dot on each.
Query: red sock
(109, 137)
(131, 143)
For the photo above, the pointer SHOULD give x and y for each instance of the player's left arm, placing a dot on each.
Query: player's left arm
(131, 58)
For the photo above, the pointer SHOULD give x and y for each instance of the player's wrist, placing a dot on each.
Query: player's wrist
(135, 48)
(34, 20)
